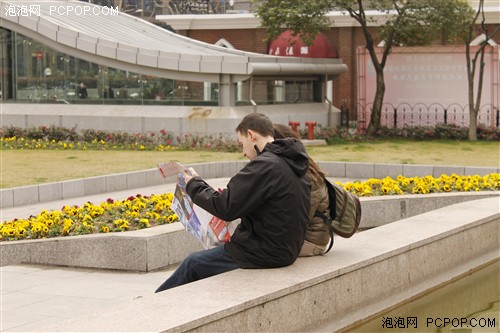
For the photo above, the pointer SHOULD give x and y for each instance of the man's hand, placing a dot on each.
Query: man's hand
(188, 174)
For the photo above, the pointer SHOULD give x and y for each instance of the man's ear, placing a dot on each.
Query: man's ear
(251, 135)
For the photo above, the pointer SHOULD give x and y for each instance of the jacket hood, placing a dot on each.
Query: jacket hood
(293, 152)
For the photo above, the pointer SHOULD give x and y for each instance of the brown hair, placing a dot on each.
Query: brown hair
(257, 122)
(282, 131)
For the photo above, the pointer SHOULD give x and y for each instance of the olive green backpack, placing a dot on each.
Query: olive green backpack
(345, 212)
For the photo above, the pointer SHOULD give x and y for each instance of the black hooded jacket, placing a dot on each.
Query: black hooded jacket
(271, 196)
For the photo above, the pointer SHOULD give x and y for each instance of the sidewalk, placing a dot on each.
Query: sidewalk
(33, 296)
(36, 296)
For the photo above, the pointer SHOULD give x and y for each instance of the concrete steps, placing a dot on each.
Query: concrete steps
(363, 275)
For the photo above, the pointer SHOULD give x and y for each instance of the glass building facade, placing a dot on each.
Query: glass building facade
(34, 73)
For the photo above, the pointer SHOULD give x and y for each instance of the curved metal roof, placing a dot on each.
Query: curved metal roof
(105, 36)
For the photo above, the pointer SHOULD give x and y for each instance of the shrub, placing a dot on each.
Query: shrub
(218, 143)
(54, 137)
(440, 131)
(60, 137)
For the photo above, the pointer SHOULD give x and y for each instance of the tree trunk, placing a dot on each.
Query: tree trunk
(475, 105)
(470, 80)
(473, 111)
(472, 63)
(376, 113)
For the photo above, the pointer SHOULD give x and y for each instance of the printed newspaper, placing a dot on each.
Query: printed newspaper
(207, 228)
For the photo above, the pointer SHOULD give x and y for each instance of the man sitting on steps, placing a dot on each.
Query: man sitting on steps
(271, 195)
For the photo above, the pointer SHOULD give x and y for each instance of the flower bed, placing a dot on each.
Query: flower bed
(133, 213)
(133, 143)
(60, 138)
(139, 212)
(424, 185)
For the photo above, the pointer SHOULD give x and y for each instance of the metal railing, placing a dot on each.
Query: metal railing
(403, 115)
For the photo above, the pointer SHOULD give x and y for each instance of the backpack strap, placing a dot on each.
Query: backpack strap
(333, 212)
(328, 222)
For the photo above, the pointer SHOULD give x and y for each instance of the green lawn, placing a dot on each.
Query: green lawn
(28, 167)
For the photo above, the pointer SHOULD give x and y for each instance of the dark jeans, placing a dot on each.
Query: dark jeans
(200, 265)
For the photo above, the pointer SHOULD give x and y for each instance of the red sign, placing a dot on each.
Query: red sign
(291, 46)
(39, 55)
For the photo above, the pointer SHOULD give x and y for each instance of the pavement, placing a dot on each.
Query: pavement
(34, 296)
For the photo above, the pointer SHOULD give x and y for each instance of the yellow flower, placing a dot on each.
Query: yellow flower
(132, 214)
(119, 222)
(152, 215)
(139, 205)
(367, 192)
(21, 232)
(486, 185)
(405, 182)
(96, 211)
(386, 189)
(87, 218)
(124, 226)
(67, 224)
(144, 223)
(359, 187)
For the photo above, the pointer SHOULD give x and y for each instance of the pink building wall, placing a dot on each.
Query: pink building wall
(430, 80)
